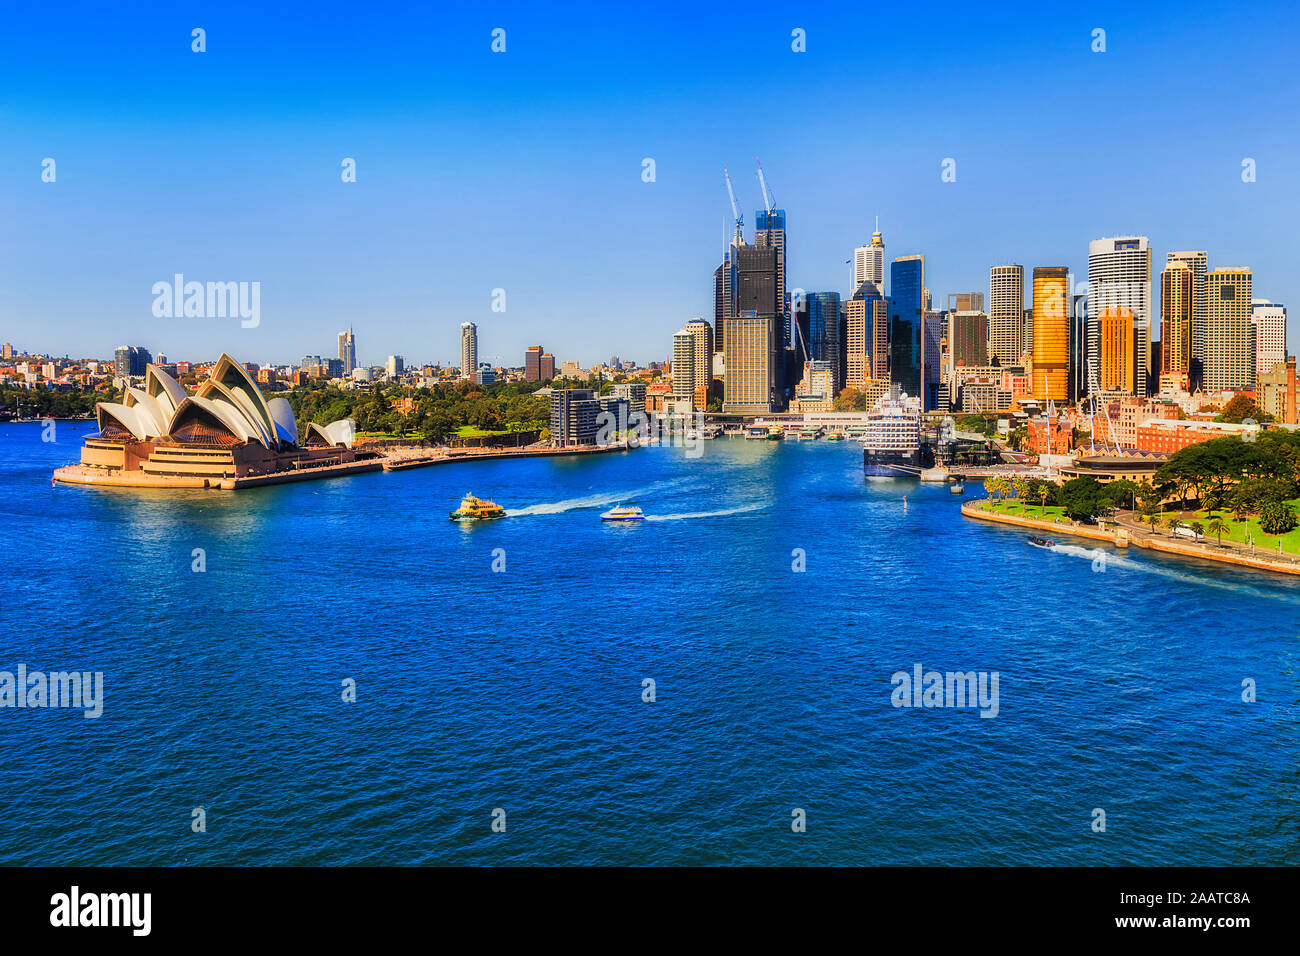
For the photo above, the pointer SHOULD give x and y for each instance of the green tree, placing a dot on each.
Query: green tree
(1216, 526)
(1198, 529)
(1240, 407)
(1082, 499)
(1276, 517)
(1122, 491)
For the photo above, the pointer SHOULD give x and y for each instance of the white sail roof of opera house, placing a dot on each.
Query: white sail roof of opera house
(286, 425)
(336, 433)
(228, 397)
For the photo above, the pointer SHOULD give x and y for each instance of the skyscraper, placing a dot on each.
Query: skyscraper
(683, 365)
(702, 360)
(869, 262)
(1119, 277)
(823, 331)
(130, 360)
(1228, 363)
(1051, 334)
(749, 381)
(1078, 346)
(1177, 310)
(968, 338)
(769, 233)
(724, 291)
(756, 281)
(906, 318)
(1006, 313)
(754, 298)
(866, 335)
(1197, 263)
(1269, 322)
(468, 350)
(533, 364)
(348, 351)
(1117, 359)
(934, 328)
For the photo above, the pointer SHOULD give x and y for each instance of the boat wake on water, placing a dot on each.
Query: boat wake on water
(1104, 559)
(741, 509)
(598, 500)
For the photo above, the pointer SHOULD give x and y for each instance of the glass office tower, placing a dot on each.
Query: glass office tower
(906, 316)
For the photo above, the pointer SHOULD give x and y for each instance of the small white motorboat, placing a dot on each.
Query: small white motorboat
(630, 513)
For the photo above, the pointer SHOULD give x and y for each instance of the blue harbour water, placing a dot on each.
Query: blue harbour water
(522, 690)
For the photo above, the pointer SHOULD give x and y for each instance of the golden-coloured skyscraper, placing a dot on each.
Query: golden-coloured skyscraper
(702, 374)
(1198, 263)
(1177, 307)
(1051, 343)
(857, 357)
(1118, 369)
(866, 331)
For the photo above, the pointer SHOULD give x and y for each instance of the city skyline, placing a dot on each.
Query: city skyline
(241, 196)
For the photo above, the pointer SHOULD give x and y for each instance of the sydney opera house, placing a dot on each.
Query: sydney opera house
(223, 436)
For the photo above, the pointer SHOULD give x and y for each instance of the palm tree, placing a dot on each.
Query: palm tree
(1216, 527)
(1170, 521)
(1042, 496)
(1198, 529)
(1152, 519)
(991, 487)
(1020, 486)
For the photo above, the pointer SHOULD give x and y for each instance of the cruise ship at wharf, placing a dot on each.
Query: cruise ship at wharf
(892, 446)
(898, 440)
(227, 436)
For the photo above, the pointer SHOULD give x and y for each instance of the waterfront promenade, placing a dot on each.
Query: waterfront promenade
(393, 459)
(1126, 530)
(401, 459)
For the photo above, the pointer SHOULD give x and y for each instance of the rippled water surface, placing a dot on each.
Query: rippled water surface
(522, 690)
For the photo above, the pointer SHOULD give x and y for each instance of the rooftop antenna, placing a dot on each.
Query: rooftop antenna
(768, 199)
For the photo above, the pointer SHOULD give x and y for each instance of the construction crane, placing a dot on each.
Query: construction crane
(768, 199)
(735, 210)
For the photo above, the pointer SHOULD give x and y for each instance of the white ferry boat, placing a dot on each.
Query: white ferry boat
(623, 513)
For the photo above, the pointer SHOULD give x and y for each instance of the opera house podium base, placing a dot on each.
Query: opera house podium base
(92, 475)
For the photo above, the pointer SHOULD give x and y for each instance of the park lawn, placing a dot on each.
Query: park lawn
(470, 431)
(1237, 530)
(1012, 506)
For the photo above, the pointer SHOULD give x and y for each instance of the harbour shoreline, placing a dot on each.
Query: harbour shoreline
(1132, 537)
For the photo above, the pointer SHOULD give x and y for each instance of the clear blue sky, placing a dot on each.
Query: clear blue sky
(523, 170)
